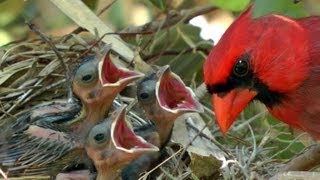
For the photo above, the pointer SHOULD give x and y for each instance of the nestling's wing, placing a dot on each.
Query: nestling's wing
(41, 149)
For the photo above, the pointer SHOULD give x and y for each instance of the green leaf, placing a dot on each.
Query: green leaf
(288, 146)
(187, 64)
(203, 164)
(232, 5)
(161, 4)
(283, 7)
(180, 38)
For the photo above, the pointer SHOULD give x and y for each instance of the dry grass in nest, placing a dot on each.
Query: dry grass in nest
(31, 73)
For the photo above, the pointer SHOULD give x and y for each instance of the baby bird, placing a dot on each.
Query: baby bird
(113, 144)
(97, 82)
(42, 148)
(164, 97)
(49, 138)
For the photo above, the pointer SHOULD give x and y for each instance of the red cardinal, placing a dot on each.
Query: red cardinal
(273, 59)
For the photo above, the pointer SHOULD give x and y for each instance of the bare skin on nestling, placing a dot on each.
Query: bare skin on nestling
(97, 82)
(28, 148)
(43, 148)
(164, 97)
(112, 145)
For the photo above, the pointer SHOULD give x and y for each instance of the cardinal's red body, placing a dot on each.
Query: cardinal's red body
(273, 59)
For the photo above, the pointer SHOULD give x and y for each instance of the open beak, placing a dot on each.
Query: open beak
(124, 138)
(173, 95)
(111, 75)
(228, 107)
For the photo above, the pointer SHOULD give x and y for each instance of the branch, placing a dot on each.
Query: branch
(177, 52)
(172, 19)
(304, 161)
(56, 51)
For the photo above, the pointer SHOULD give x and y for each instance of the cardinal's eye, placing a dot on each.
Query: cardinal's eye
(241, 68)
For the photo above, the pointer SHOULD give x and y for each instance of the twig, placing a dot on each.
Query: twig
(189, 144)
(301, 175)
(304, 161)
(172, 19)
(40, 91)
(93, 45)
(254, 151)
(173, 53)
(3, 95)
(56, 51)
(39, 177)
(21, 98)
(239, 140)
(106, 7)
(131, 113)
(6, 113)
(160, 164)
(291, 143)
(201, 91)
(167, 174)
(212, 140)
(246, 122)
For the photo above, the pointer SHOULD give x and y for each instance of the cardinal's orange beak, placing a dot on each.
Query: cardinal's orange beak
(228, 107)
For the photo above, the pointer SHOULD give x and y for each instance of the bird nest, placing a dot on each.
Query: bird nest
(32, 72)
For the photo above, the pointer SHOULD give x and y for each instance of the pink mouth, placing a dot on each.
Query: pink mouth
(125, 139)
(173, 95)
(111, 75)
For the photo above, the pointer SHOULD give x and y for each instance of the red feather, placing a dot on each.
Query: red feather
(284, 56)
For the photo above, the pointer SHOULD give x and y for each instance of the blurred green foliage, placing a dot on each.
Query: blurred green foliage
(117, 14)
(14, 12)
(284, 7)
(291, 8)
(232, 5)
(10, 11)
(178, 42)
(161, 4)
